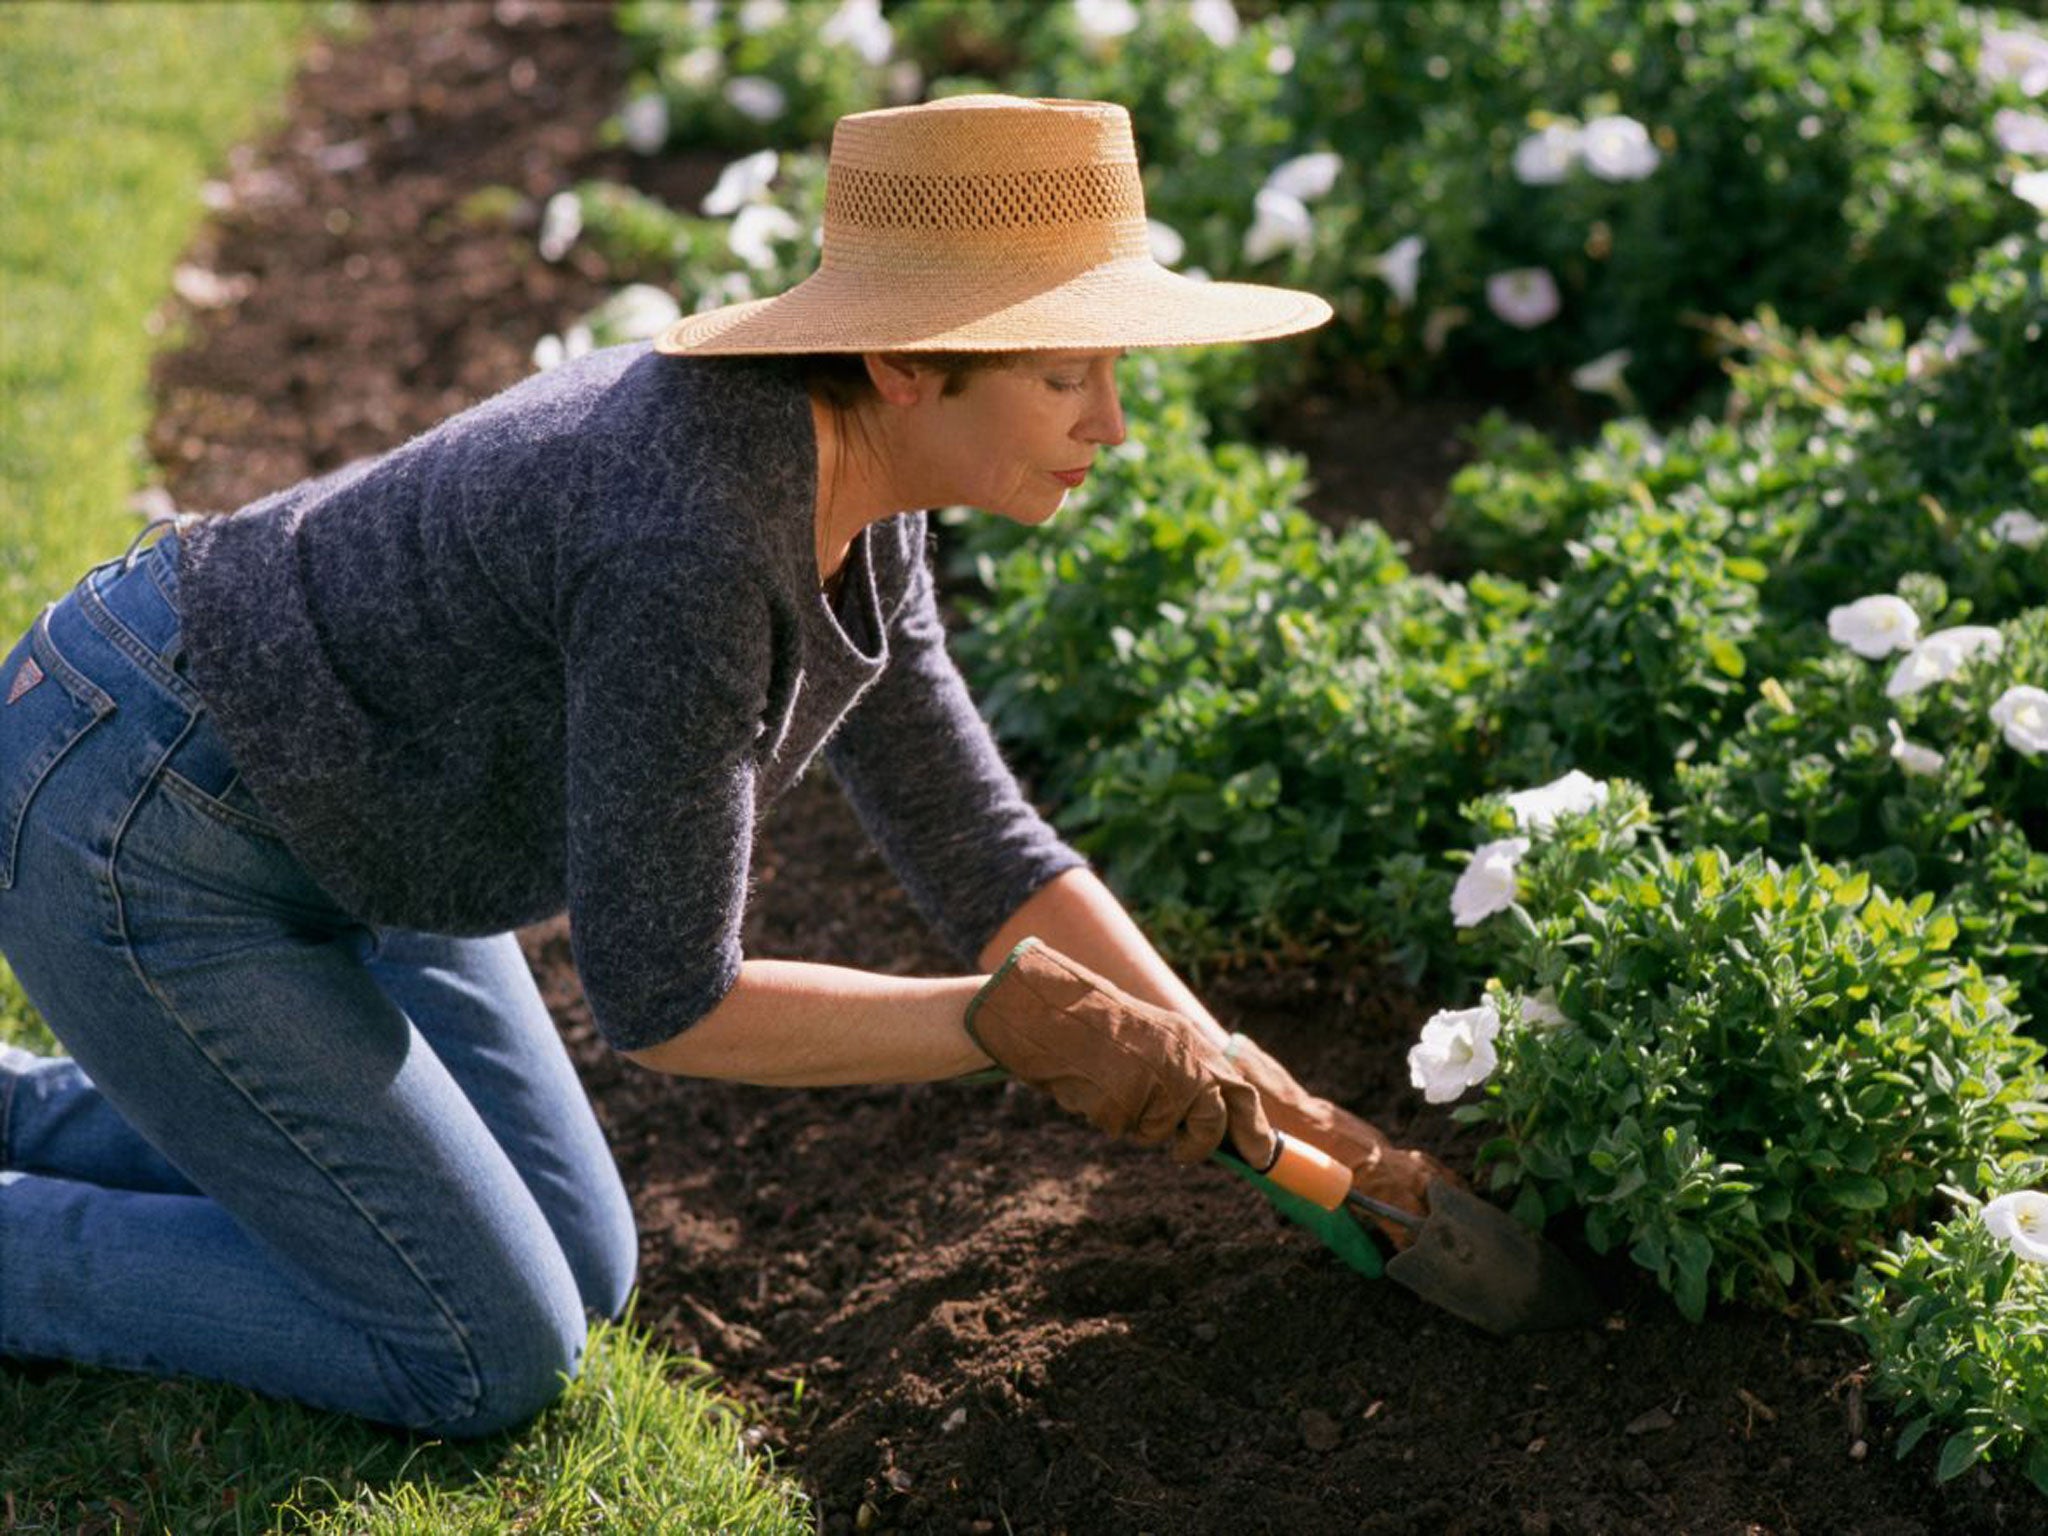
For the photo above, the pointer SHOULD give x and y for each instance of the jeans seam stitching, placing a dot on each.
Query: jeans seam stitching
(473, 1388)
(95, 610)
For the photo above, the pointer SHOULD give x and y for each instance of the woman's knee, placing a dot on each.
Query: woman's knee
(604, 1251)
(505, 1370)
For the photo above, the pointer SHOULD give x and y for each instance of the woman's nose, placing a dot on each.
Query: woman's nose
(1104, 422)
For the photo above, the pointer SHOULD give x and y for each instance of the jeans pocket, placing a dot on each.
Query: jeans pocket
(49, 706)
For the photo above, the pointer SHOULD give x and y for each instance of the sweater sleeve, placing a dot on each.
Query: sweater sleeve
(924, 775)
(664, 696)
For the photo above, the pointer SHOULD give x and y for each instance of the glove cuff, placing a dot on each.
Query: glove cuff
(1023, 947)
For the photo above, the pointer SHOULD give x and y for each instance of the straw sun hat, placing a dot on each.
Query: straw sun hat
(990, 223)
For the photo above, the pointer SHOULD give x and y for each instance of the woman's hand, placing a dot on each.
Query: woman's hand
(1128, 1067)
(1398, 1175)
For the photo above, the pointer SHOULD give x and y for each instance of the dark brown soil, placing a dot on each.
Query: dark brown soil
(961, 1310)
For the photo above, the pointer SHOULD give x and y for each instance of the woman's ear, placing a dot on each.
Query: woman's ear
(898, 378)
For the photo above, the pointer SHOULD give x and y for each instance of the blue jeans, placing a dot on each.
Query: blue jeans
(346, 1165)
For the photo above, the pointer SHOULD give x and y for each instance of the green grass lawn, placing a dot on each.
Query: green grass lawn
(111, 115)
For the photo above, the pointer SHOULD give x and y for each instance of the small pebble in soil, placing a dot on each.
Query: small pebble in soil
(1653, 1422)
(1206, 1333)
(1535, 1522)
(1319, 1431)
(1637, 1476)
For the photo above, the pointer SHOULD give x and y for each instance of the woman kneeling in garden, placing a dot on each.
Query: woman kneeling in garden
(277, 785)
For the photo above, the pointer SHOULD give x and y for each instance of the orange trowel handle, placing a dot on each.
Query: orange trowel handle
(1317, 1177)
(1309, 1172)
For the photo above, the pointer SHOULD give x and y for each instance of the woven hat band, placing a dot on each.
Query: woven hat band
(1006, 200)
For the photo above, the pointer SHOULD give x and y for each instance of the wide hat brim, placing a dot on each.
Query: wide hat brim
(1119, 304)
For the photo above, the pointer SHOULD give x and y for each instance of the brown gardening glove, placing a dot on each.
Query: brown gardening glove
(1129, 1067)
(1398, 1175)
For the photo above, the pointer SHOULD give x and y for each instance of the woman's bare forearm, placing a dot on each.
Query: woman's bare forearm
(792, 1024)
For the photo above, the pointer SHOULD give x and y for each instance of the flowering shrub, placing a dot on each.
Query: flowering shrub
(1743, 1071)
(1513, 195)
(1843, 463)
(755, 72)
(1639, 651)
(1923, 789)
(1956, 1319)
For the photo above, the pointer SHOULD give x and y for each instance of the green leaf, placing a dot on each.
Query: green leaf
(1859, 1192)
(1725, 655)
(1958, 1454)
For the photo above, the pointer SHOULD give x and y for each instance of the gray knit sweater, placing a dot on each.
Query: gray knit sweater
(561, 650)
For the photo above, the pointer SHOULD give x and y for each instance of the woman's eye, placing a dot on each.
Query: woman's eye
(1067, 384)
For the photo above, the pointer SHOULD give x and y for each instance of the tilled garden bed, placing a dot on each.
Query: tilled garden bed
(958, 1309)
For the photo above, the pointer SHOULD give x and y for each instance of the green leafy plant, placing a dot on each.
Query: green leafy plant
(1922, 791)
(1956, 1320)
(1755, 1070)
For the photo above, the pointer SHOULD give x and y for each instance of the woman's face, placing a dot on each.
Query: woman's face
(1015, 439)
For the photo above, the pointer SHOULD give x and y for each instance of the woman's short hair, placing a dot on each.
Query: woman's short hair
(841, 378)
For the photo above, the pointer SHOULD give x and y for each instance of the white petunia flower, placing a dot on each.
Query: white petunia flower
(1487, 885)
(2032, 189)
(2014, 55)
(759, 15)
(756, 98)
(1912, 758)
(741, 183)
(2020, 133)
(561, 221)
(728, 288)
(756, 228)
(1307, 177)
(1960, 343)
(1456, 1052)
(1618, 149)
(1537, 810)
(2019, 527)
(859, 25)
(553, 351)
(1280, 59)
(1546, 157)
(637, 312)
(2020, 1221)
(2022, 713)
(644, 122)
(1217, 20)
(1603, 375)
(698, 70)
(1539, 1011)
(1524, 297)
(1280, 222)
(1102, 20)
(905, 82)
(1940, 657)
(1399, 266)
(1875, 626)
(1166, 243)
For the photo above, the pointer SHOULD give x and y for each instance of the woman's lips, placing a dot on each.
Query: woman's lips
(1069, 477)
